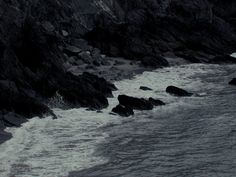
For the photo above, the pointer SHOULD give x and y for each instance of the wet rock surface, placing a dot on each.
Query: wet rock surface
(135, 103)
(128, 104)
(177, 91)
(156, 102)
(194, 30)
(123, 111)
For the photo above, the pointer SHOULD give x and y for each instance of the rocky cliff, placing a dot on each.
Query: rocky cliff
(37, 38)
(196, 30)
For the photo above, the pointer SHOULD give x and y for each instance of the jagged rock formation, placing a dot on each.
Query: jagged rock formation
(196, 30)
(31, 62)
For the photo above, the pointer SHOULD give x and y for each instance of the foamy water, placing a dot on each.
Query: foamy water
(53, 148)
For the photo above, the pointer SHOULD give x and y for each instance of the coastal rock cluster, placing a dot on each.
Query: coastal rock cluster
(41, 40)
(127, 103)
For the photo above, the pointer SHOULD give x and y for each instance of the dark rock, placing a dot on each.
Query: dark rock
(177, 91)
(48, 26)
(86, 57)
(13, 120)
(154, 62)
(192, 58)
(4, 136)
(31, 64)
(145, 88)
(223, 59)
(135, 103)
(71, 50)
(123, 111)
(24, 105)
(137, 29)
(86, 90)
(233, 81)
(105, 62)
(156, 102)
(73, 60)
(96, 63)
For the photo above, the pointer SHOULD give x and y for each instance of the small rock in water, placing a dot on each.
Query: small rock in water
(135, 103)
(123, 111)
(233, 81)
(156, 102)
(145, 88)
(177, 91)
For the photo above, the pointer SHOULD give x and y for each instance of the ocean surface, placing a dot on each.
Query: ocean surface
(188, 137)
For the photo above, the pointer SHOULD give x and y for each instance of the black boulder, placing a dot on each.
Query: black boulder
(177, 91)
(135, 103)
(123, 111)
(156, 102)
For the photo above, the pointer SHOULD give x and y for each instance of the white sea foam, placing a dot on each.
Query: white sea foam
(233, 55)
(52, 148)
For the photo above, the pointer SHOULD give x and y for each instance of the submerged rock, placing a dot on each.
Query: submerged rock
(177, 91)
(145, 88)
(139, 29)
(156, 102)
(135, 103)
(123, 110)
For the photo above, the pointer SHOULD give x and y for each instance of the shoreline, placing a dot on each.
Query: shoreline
(121, 69)
(117, 70)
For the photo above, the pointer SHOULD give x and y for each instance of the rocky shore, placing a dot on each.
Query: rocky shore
(67, 48)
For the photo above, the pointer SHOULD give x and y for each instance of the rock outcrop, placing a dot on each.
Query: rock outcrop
(123, 111)
(196, 30)
(135, 103)
(156, 102)
(177, 91)
(127, 104)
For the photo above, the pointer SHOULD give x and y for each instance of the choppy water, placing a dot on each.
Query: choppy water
(189, 137)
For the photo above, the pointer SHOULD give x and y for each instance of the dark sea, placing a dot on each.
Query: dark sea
(188, 137)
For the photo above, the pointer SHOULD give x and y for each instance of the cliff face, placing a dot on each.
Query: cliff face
(34, 35)
(196, 30)
(31, 61)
